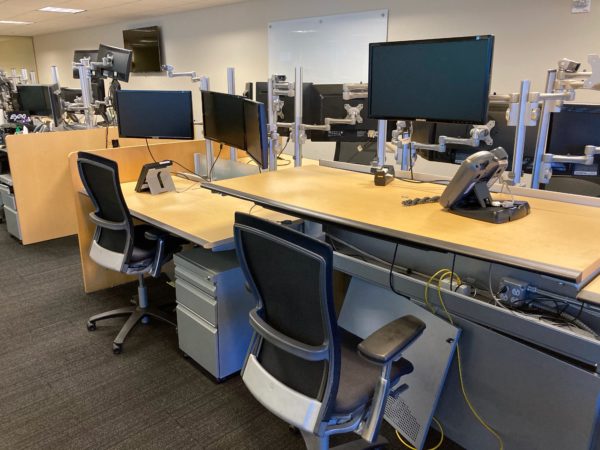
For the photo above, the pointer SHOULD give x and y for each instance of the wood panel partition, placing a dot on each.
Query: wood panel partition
(41, 180)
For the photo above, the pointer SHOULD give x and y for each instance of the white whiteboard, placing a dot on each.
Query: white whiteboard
(330, 49)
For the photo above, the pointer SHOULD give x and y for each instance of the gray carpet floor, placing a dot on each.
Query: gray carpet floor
(62, 388)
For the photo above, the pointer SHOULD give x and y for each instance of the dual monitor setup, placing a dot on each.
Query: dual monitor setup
(228, 119)
(48, 100)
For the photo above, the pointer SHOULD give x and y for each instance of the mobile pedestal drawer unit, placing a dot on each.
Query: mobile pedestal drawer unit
(10, 206)
(212, 310)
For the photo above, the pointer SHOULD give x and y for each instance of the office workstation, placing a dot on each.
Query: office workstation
(361, 235)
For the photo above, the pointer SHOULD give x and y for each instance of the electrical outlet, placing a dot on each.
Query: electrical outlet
(512, 290)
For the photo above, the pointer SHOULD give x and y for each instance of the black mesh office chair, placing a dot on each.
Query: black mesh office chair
(301, 366)
(121, 246)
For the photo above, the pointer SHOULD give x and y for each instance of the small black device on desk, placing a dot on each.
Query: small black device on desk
(156, 178)
(468, 193)
(384, 175)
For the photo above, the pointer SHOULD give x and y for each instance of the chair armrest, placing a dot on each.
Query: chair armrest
(387, 343)
(108, 224)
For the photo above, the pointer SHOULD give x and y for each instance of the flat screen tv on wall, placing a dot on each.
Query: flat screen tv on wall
(146, 44)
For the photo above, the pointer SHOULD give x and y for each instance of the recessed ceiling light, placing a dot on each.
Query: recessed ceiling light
(61, 10)
(15, 22)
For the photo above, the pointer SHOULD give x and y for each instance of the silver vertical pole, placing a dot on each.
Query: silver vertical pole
(298, 117)
(273, 135)
(381, 137)
(54, 75)
(210, 157)
(542, 138)
(231, 90)
(517, 168)
(85, 79)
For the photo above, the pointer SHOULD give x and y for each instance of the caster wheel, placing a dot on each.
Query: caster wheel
(293, 429)
(186, 356)
(91, 326)
(117, 349)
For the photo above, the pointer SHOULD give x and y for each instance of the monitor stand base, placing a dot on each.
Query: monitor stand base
(495, 214)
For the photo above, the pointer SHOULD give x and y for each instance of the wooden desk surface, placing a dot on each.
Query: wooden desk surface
(557, 238)
(192, 213)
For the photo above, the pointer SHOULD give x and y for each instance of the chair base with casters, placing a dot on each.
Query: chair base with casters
(153, 248)
(135, 314)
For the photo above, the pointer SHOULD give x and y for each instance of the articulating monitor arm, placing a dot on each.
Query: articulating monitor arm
(587, 159)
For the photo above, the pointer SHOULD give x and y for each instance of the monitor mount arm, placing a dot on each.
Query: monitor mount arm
(561, 84)
(351, 91)
(406, 148)
(277, 86)
(105, 64)
(204, 86)
(85, 79)
(587, 159)
(172, 74)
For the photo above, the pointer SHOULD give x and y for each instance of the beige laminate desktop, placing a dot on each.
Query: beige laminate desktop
(550, 240)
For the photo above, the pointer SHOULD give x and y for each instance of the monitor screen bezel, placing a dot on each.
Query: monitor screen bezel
(487, 37)
(191, 114)
(237, 97)
(158, 32)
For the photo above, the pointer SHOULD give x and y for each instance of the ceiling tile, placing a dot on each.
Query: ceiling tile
(98, 12)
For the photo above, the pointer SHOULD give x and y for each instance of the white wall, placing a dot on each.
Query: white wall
(17, 52)
(531, 36)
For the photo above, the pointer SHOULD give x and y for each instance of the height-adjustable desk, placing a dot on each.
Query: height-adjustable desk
(535, 383)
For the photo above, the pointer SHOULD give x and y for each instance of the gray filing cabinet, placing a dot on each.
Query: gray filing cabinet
(212, 310)
(10, 206)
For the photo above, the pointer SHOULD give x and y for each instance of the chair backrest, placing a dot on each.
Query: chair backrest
(296, 334)
(113, 240)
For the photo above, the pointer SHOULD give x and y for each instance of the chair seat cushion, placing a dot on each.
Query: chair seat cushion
(142, 248)
(359, 377)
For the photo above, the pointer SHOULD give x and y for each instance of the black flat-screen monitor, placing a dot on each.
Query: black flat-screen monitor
(70, 94)
(41, 100)
(155, 114)
(442, 80)
(255, 124)
(223, 118)
(238, 122)
(121, 62)
(571, 129)
(363, 153)
(327, 102)
(78, 55)
(145, 43)
(574, 127)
